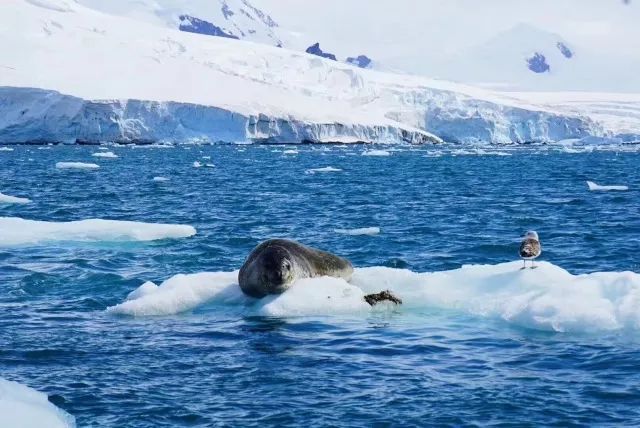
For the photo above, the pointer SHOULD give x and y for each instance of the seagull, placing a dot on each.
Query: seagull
(530, 248)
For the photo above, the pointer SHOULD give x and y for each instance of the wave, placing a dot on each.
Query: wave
(21, 406)
(547, 298)
(18, 231)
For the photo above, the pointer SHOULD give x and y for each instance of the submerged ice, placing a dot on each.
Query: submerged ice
(548, 298)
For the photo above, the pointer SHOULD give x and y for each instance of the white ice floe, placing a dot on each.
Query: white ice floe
(18, 231)
(160, 179)
(6, 199)
(359, 231)
(76, 165)
(290, 152)
(547, 298)
(325, 169)
(108, 155)
(6, 149)
(376, 153)
(197, 164)
(24, 407)
(596, 187)
(209, 165)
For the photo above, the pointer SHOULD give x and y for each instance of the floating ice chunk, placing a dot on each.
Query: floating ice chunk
(376, 153)
(181, 293)
(360, 231)
(206, 157)
(197, 164)
(316, 296)
(6, 149)
(548, 298)
(290, 152)
(24, 407)
(109, 155)
(144, 290)
(18, 231)
(76, 165)
(6, 199)
(596, 187)
(325, 169)
(160, 179)
(209, 165)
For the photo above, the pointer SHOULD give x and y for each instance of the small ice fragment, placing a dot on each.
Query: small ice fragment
(360, 231)
(596, 187)
(109, 155)
(376, 153)
(6, 199)
(325, 169)
(76, 165)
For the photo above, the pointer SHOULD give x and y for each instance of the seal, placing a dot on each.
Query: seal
(274, 265)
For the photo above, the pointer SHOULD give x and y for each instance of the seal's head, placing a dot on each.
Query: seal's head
(531, 235)
(276, 269)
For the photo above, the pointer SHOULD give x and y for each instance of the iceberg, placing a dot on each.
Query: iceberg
(24, 407)
(18, 231)
(548, 298)
(6, 199)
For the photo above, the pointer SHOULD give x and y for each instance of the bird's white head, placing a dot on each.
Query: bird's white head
(532, 235)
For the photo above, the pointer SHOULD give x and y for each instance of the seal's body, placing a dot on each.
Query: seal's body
(275, 264)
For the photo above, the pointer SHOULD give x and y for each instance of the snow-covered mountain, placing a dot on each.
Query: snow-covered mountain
(238, 19)
(70, 72)
(476, 42)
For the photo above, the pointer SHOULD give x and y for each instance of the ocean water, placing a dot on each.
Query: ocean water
(445, 361)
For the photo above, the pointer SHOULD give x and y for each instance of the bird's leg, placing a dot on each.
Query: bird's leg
(533, 264)
(524, 264)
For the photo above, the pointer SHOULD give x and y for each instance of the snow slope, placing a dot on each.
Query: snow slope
(236, 18)
(117, 78)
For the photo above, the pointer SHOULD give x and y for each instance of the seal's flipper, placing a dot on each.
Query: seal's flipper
(374, 299)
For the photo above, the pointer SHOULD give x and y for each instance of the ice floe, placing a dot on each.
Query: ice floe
(376, 153)
(76, 165)
(160, 179)
(325, 169)
(6, 199)
(547, 298)
(24, 407)
(18, 231)
(596, 187)
(6, 149)
(359, 231)
(108, 155)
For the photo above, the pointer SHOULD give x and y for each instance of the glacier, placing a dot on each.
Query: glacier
(103, 84)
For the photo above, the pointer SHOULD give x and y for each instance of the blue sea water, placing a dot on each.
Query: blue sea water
(437, 208)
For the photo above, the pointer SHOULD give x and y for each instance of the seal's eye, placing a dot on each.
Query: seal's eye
(286, 265)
